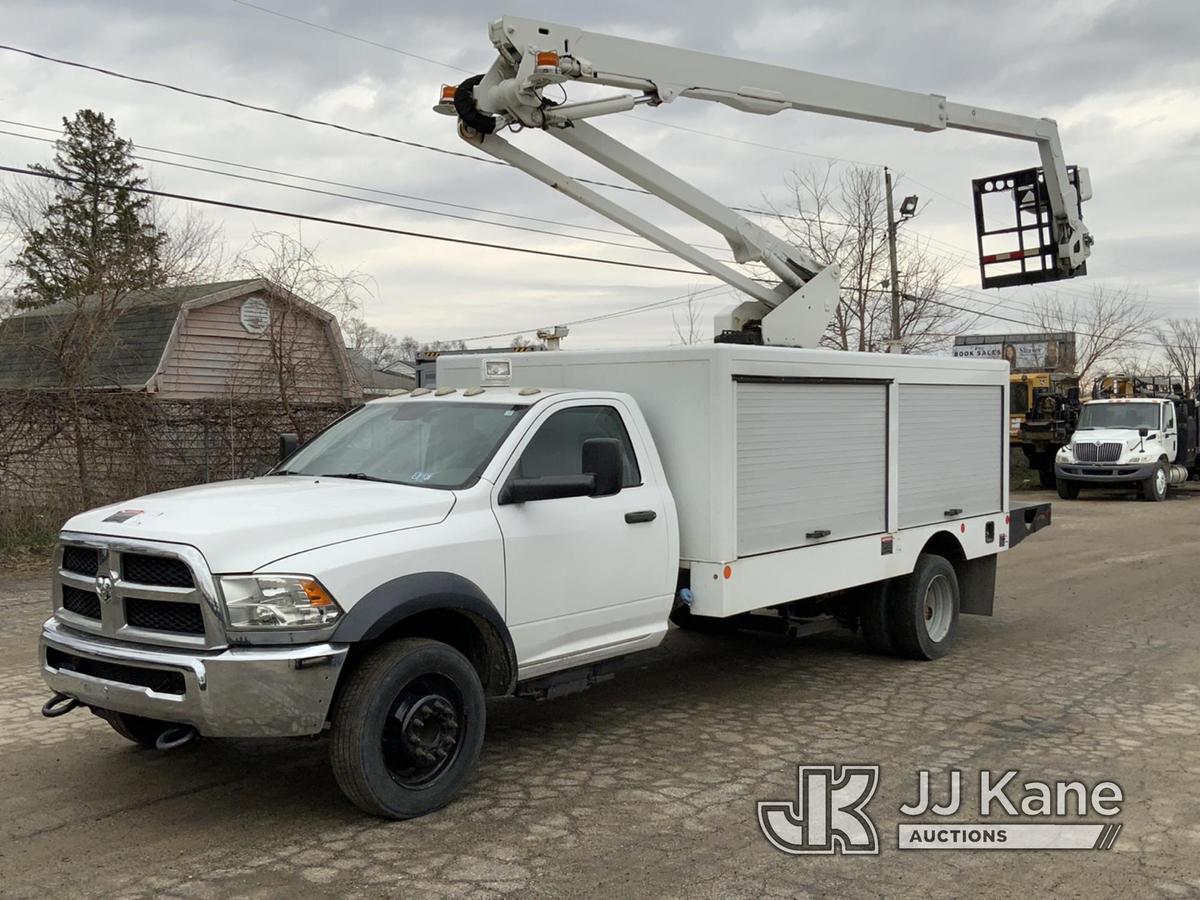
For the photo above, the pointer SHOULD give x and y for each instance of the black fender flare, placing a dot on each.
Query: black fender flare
(392, 602)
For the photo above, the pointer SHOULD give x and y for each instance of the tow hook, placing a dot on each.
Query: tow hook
(59, 705)
(176, 736)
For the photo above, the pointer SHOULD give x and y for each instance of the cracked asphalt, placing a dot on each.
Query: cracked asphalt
(646, 785)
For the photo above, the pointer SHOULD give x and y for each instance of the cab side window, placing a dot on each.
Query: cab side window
(1169, 418)
(557, 448)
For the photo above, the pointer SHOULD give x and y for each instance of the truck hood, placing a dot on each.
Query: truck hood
(243, 525)
(1126, 437)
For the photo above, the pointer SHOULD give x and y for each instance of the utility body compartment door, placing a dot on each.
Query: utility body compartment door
(587, 577)
(811, 461)
(951, 452)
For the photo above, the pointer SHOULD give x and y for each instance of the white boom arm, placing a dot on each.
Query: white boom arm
(535, 54)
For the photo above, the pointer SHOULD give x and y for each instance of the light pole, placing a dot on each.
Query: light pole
(908, 209)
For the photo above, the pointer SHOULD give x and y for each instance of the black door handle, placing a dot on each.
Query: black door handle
(645, 515)
(819, 533)
(956, 511)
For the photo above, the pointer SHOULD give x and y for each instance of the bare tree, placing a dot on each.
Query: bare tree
(687, 322)
(410, 346)
(378, 347)
(1105, 324)
(294, 345)
(842, 220)
(1180, 341)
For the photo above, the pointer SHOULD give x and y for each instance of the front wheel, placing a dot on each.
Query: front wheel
(408, 729)
(924, 609)
(1067, 490)
(1154, 488)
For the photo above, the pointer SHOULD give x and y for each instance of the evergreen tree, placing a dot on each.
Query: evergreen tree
(96, 236)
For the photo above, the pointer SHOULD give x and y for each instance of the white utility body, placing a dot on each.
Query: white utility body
(802, 472)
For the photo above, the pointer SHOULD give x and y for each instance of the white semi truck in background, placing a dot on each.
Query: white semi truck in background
(540, 517)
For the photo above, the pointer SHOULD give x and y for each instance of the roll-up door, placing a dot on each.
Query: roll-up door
(951, 451)
(811, 458)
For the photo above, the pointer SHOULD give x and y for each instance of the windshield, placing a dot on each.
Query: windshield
(424, 444)
(1119, 415)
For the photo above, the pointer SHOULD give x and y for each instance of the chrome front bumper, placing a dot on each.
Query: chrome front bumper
(237, 692)
(1112, 473)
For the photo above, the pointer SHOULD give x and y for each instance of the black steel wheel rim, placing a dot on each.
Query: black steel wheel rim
(424, 731)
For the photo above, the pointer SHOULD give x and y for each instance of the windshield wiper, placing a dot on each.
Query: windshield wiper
(357, 476)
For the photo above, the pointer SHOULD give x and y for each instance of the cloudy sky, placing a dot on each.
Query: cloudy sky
(1122, 77)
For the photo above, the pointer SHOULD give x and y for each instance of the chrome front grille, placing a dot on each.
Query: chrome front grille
(136, 591)
(1097, 451)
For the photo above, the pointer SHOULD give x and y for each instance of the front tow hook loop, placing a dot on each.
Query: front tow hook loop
(175, 736)
(59, 705)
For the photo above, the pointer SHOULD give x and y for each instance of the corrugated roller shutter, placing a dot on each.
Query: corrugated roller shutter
(951, 451)
(810, 457)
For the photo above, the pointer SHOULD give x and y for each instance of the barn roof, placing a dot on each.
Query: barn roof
(128, 354)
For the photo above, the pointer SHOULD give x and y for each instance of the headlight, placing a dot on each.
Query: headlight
(277, 601)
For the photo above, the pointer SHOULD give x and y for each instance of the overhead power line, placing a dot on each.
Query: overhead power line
(208, 201)
(357, 199)
(484, 244)
(342, 184)
(203, 95)
(349, 36)
(600, 317)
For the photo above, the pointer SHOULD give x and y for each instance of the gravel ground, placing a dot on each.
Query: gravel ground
(647, 785)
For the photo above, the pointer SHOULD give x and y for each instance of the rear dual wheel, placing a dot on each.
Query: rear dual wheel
(917, 615)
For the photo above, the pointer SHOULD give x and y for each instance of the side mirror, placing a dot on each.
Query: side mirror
(602, 458)
(548, 487)
(1143, 432)
(288, 444)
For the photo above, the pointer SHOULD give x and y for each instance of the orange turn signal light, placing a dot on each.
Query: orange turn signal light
(317, 595)
(547, 59)
(448, 92)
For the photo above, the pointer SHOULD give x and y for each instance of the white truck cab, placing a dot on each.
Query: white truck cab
(494, 537)
(1145, 442)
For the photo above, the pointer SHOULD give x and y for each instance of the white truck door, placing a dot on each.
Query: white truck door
(585, 575)
(1170, 432)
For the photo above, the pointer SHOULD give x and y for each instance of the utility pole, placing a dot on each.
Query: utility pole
(892, 226)
(908, 209)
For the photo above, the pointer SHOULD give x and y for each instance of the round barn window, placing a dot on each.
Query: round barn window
(256, 315)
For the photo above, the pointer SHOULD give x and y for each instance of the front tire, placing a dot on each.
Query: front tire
(1154, 488)
(408, 729)
(1067, 490)
(924, 609)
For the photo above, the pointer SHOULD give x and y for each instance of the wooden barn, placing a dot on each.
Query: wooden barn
(232, 339)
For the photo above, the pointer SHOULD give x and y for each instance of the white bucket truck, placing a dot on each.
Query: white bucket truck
(534, 519)
(541, 515)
